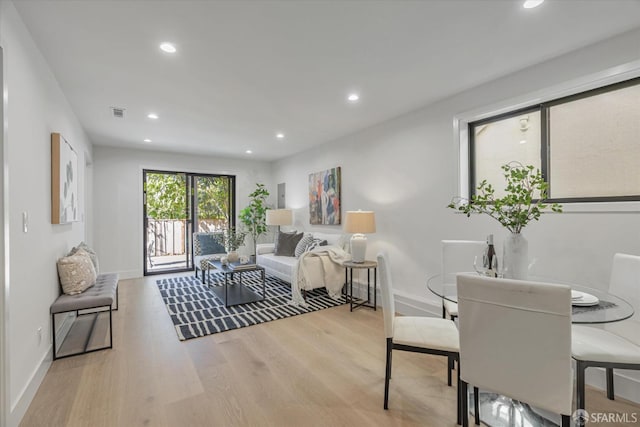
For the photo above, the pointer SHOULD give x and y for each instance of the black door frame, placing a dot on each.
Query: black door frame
(190, 214)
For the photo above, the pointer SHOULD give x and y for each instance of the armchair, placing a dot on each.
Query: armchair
(206, 246)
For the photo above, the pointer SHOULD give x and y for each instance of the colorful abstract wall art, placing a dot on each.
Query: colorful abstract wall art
(324, 197)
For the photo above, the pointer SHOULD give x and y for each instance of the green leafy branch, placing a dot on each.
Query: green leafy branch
(231, 239)
(519, 206)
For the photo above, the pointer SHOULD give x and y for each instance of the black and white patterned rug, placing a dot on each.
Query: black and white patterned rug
(196, 311)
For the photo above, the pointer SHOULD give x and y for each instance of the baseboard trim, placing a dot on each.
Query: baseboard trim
(131, 274)
(19, 408)
(407, 305)
(625, 386)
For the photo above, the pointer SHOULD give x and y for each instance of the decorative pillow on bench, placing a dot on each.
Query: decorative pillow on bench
(76, 272)
(88, 251)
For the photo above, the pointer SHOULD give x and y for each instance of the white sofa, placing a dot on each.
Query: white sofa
(286, 267)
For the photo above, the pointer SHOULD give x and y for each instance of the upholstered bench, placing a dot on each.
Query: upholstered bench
(99, 298)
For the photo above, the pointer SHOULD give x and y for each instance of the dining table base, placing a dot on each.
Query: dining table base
(500, 411)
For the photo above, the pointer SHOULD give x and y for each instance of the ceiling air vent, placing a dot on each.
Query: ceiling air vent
(118, 113)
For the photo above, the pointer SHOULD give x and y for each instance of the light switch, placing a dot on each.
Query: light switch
(25, 221)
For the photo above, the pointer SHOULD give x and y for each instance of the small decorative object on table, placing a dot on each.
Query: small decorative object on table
(514, 211)
(231, 239)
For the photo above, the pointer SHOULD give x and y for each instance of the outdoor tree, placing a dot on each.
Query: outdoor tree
(214, 199)
(166, 196)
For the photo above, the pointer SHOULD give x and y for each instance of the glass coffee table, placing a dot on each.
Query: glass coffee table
(233, 292)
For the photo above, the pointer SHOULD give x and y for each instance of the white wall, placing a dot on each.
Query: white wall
(406, 170)
(118, 197)
(36, 108)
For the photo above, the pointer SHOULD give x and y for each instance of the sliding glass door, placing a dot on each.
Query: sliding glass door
(175, 205)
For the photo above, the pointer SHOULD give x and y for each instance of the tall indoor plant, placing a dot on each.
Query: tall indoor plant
(523, 202)
(254, 216)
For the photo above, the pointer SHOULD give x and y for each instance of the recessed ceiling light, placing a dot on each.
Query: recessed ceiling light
(353, 97)
(530, 4)
(523, 141)
(248, 151)
(168, 47)
(280, 135)
(147, 140)
(153, 116)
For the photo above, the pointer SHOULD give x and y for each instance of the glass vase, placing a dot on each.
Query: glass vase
(515, 257)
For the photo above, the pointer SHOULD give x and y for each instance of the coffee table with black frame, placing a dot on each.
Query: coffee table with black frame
(233, 292)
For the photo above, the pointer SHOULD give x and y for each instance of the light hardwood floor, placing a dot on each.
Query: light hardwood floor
(319, 369)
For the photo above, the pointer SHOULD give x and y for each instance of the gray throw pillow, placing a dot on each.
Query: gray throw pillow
(277, 240)
(287, 244)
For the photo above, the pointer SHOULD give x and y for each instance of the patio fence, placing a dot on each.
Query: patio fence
(167, 236)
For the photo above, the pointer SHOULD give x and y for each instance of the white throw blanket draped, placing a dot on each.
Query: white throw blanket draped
(311, 274)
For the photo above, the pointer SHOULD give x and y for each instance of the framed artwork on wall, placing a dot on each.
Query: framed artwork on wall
(64, 181)
(324, 197)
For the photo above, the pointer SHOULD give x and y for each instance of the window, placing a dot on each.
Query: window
(587, 145)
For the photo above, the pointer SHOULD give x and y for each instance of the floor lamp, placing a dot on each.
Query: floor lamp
(359, 223)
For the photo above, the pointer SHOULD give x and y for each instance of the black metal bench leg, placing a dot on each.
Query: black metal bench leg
(53, 332)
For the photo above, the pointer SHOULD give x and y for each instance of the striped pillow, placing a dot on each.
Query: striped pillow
(301, 247)
(315, 244)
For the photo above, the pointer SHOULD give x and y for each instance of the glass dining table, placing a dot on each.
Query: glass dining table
(609, 308)
(500, 411)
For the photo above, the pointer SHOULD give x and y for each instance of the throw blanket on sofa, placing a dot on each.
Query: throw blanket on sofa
(321, 267)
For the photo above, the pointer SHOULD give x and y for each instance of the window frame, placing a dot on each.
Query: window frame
(545, 140)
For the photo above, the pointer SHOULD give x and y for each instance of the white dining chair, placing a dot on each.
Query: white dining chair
(413, 333)
(458, 257)
(617, 346)
(515, 340)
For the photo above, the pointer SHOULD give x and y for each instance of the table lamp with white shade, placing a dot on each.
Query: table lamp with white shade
(279, 217)
(359, 223)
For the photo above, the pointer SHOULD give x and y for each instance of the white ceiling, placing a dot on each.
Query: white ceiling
(247, 69)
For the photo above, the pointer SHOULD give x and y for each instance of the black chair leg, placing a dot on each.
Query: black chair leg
(580, 400)
(566, 421)
(387, 375)
(610, 391)
(449, 369)
(464, 395)
(476, 404)
(444, 312)
(459, 406)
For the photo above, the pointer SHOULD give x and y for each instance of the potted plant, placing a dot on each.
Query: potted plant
(254, 216)
(231, 239)
(523, 202)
